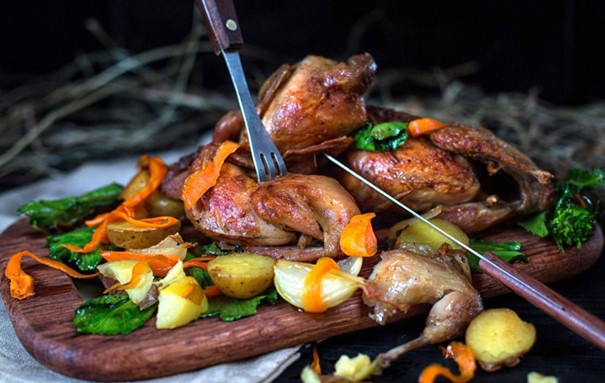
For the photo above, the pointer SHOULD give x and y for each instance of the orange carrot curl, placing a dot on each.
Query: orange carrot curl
(311, 294)
(462, 355)
(423, 126)
(138, 272)
(22, 284)
(200, 181)
(157, 172)
(126, 210)
(200, 262)
(358, 238)
(160, 264)
(212, 291)
(315, 365)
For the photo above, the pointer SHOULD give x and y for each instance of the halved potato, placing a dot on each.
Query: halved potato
(421, 233)
(241, 275)
(180, 303)
(128, 236)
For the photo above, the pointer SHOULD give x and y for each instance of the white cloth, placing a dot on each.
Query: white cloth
(16, 365)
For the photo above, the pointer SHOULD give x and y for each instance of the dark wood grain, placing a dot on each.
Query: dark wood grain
(43, 322)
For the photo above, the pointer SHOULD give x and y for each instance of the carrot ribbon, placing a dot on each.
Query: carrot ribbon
(138, 272)
(22, 284)
(126, 210)
(358, 238)
(462, 355)
(423, 126)
(160, 264)
(200, 181)
(311, 294)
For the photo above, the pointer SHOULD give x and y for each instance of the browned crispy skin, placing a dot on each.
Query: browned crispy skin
(439, 170)
(278, 217)
(313, 101)
(419, 174)
(313, 205)
(226, 213)
(321, 100)
(535, 185)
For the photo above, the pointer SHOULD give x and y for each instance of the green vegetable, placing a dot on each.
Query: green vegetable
(573, 216)
(51, 216)
(382, 137)
(210, 249)
(201, 276)
(535, 224)
(83, 262)
(110, 315)
(230, 309)
(508, 251)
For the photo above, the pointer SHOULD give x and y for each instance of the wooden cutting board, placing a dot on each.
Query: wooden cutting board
(43, 322)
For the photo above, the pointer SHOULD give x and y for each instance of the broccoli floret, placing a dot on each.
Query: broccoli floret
(573, 217)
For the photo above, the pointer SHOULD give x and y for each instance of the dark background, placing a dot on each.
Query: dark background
(550, 46)
(554, 47)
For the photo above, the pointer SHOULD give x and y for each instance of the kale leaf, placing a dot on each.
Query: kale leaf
(508, 251)
(110, 315)
(84, 262)
(381, 137)
(54, 215)
(230, 309)
(573, 216)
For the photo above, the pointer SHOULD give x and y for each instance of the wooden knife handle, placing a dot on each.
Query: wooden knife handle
(221, 23)
(543, 297)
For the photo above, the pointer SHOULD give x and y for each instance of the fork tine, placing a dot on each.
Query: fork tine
(283, 170)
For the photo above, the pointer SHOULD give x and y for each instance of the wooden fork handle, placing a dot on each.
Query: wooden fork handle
(543, 297)
(221, 23)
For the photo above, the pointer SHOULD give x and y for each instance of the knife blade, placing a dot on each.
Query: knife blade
(543, 297)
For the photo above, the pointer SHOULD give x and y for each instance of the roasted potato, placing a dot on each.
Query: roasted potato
(498, 337)
(128, 236)
(136, 184)
(420, 232)
(159, 205)
(122, 272)
(241, 275)
(181, 302)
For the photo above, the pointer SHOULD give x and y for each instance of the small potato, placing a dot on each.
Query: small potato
(128, 236)
(158, 205)
(420, 232)
(498, 337)
(241, 275)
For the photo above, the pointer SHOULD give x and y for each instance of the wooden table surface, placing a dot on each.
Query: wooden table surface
(557, 351)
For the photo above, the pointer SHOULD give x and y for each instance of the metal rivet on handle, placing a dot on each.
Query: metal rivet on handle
(231, 25)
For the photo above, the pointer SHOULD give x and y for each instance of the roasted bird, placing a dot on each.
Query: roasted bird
(295, 217)
(477, 178)
(314, 106)
(308, 108)
(416, 275)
